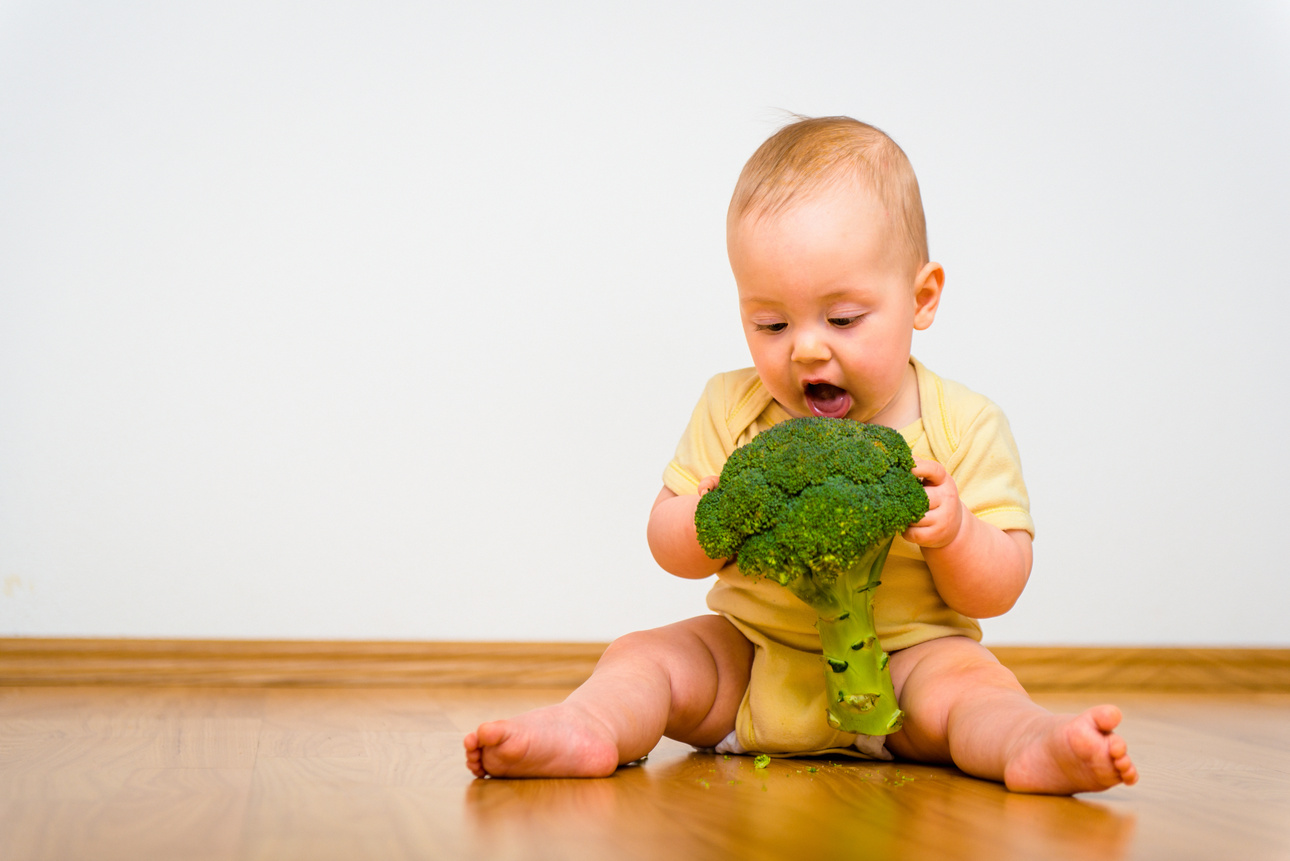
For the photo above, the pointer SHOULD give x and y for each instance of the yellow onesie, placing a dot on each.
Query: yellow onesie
(783, 710)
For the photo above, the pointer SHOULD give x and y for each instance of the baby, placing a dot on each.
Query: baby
(827, 242)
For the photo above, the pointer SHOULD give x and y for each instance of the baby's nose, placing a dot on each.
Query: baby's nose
(809, 346)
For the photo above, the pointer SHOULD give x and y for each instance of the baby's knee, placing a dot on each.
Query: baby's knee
(656, 645)
(637, 642)
(950, 663)
(704, 646)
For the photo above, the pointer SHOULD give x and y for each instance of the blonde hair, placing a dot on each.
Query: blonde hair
(814, 154)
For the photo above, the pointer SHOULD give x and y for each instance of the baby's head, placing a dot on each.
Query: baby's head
(829, 249)
(817, 155)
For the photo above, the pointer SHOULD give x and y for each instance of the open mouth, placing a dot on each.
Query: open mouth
(826, 399)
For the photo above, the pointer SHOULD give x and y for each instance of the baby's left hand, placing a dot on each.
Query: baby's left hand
(944, 516)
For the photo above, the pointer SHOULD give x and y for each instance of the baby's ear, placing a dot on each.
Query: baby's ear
(928, 284)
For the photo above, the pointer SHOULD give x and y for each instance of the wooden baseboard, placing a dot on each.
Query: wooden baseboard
(288, 663)
(1207, 670)
(333, 663)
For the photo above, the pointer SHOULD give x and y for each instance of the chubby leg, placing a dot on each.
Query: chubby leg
(963, 706)
(684, 681)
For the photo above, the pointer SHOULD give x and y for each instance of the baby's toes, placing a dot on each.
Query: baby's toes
(1106, 717)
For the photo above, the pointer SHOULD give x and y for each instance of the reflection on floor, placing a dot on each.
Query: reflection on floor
(247, 773)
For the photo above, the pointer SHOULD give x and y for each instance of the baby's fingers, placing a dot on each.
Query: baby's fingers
(929, 471)
(919, 533)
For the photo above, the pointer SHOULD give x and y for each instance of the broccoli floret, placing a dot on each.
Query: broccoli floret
(813, 504)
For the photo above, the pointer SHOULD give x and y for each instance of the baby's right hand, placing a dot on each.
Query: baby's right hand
(709, 483)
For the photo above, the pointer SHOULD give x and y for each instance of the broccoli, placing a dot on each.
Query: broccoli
(814, 503)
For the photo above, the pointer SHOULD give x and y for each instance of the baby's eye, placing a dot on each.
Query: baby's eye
(843, 322)
(771, 327)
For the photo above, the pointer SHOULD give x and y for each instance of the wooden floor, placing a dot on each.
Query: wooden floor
(269, 773)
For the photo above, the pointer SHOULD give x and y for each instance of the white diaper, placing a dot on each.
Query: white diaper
(872, 746)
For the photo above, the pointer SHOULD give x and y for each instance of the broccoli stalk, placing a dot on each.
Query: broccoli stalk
(860, 694)
(814, 504)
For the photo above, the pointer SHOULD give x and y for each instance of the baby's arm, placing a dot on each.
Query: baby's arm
(979, 569)
(672, 537)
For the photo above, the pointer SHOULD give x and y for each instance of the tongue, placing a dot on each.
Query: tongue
(828, 400)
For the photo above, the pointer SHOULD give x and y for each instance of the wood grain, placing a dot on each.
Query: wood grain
(238, 774)
(1148, 669)
(292, 663)
(336, 663)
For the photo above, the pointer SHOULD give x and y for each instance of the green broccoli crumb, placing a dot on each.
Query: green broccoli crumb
(813, 769)
(761, 761)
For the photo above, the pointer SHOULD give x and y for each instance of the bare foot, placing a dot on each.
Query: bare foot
(557, 741)
(1065, 754)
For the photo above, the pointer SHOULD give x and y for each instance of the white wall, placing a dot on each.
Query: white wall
(381, 320)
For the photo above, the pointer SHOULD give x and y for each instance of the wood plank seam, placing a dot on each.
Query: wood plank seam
(337, 663)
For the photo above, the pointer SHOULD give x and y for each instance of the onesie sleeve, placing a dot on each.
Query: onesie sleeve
(986, 467)
(705, 445)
